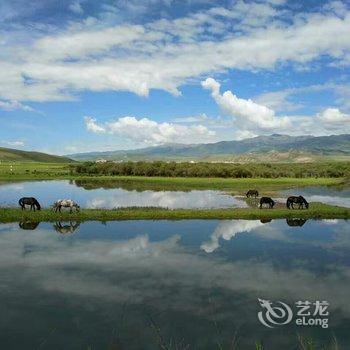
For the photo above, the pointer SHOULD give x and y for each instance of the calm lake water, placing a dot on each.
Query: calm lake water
(47, 192)
(329, 195)
(93, 195)
(192, 284)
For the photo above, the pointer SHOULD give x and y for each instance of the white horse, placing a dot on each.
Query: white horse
(65, 203)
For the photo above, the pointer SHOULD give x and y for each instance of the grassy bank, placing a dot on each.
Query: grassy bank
(186, 183)
(316, 211)
(222, 170)
(174, 183)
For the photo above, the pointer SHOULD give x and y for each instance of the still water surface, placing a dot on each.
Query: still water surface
(328, 195)
(191, 284)
(93, 195)
(47, 192)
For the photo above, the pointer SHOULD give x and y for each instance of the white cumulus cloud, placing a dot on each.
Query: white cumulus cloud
(99, 56)
(334, 117)
(149, 132)
(250, 118)
(246, 112)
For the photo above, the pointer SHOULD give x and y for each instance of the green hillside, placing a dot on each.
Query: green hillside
(261, 148)
(8, 154)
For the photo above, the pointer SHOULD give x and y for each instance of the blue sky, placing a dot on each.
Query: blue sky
(82, 75)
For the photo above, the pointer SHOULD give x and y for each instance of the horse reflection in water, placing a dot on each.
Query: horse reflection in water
(28, 225)
(66, 229)
(295, 222)
(265, 221)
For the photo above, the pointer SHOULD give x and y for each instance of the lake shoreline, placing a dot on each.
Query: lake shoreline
(183, 183)
(316, 211)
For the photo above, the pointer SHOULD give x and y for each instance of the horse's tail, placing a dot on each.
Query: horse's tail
(20, 202)
(288, 204)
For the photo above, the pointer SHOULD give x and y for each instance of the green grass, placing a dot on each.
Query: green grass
(9, 154)
(14, 171)
(240, 185)
(29, 171)
(316, 211)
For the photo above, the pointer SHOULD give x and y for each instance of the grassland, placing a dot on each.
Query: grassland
(21, 171)
(9, 154)
(12, 171)
(316, 211)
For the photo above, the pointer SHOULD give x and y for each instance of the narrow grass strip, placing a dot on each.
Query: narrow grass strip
(316, 211)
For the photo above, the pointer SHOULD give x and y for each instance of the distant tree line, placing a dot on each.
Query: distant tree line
(224, 170)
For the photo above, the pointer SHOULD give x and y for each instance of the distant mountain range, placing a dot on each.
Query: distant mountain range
(267, 148)
(9, 154)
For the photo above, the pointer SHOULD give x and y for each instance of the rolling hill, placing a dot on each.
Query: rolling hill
(267, 148)
(9, 154)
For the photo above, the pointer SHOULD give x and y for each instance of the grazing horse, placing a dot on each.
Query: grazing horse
(29, 201)
(252, 193)
(267, 200)
(65, 203)
(300, 200)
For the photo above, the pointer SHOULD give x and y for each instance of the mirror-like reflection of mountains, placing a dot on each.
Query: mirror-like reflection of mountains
(190, 284)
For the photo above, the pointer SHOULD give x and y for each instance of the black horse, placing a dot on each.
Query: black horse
(300, 200)
(29, 201)
(252, 193)
(267, 200)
